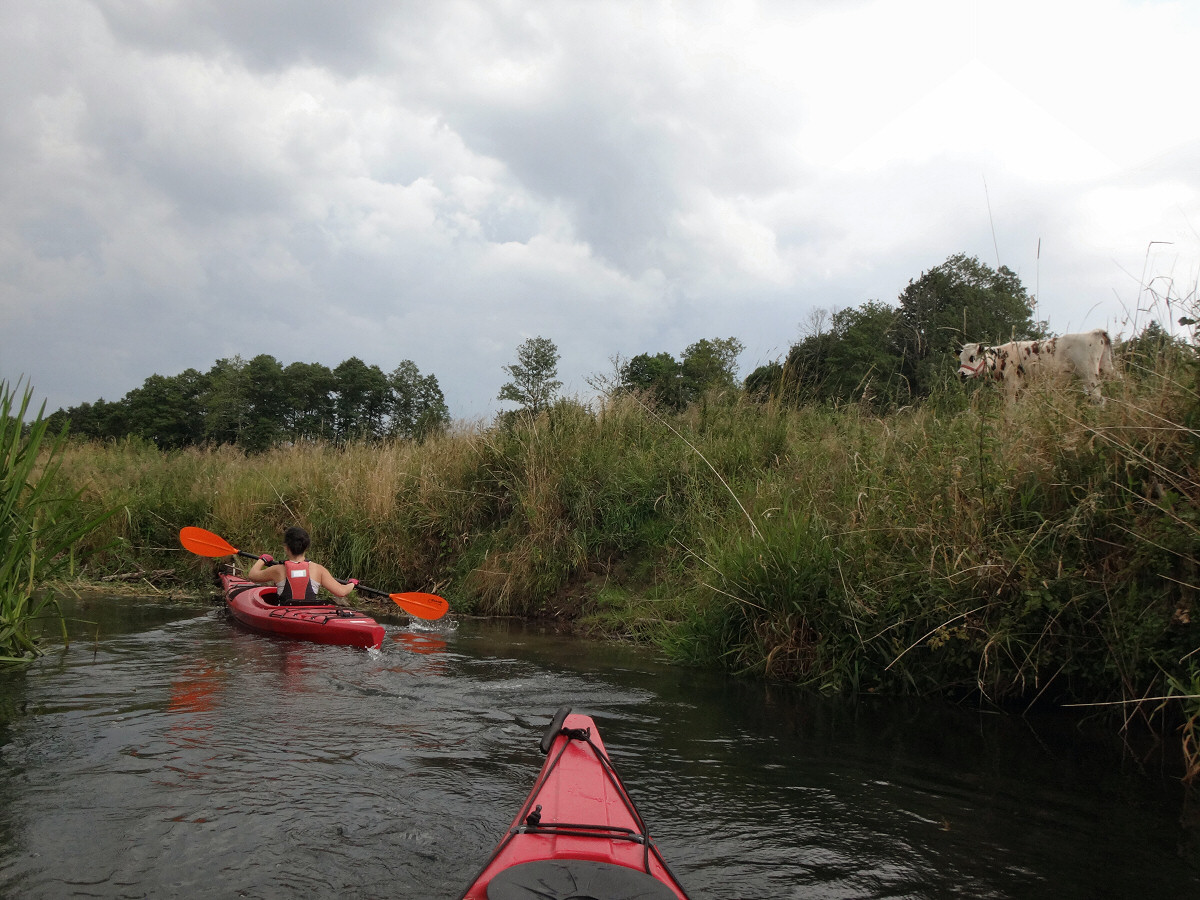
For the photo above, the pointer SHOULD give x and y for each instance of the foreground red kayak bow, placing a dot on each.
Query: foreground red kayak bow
(578, 834)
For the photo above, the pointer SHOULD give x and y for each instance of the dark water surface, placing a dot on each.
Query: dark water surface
(167, 753)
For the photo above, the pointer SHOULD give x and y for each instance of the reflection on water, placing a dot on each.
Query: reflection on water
(420, 642)
(168, 753)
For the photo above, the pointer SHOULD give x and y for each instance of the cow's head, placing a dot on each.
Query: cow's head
(974, 360)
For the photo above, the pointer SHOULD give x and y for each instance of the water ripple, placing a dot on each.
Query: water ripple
(193, 759)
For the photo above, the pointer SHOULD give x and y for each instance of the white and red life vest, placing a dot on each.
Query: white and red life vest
(297, 584)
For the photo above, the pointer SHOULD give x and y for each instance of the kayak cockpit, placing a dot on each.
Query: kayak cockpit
(269, 595)
(558, 879)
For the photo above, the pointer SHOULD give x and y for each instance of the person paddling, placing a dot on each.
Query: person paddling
(298, 580)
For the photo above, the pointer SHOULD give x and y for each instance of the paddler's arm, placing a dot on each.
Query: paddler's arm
(331, 584)
(263, 570)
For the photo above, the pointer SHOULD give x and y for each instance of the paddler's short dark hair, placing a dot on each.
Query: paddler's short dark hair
(296, 540)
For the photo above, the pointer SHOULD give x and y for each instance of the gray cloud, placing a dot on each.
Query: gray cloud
(184, 182)
(264, 35)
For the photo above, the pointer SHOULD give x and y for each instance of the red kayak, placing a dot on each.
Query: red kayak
(254, 605)
(578, 834)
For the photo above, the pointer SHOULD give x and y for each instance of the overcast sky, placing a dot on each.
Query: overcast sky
(439, 180)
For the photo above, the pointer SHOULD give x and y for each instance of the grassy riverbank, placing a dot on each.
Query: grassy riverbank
(1045, 552)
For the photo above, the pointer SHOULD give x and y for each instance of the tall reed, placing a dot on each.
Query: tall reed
(38, 526)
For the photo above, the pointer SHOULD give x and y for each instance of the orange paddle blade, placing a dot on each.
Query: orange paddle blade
(205, 543)
(423, 606)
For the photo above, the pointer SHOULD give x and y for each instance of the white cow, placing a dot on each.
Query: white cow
(1015, 364)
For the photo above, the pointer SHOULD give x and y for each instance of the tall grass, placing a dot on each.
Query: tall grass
(1041, 552)
(39, 525)
(1045, 551)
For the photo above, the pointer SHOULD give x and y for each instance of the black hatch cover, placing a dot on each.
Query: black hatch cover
(574, 879)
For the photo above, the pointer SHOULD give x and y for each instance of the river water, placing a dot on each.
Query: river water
(168, 753)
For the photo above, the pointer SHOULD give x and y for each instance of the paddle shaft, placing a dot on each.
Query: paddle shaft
(365, 589)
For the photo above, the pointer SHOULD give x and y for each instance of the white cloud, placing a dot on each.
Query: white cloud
(178, 182)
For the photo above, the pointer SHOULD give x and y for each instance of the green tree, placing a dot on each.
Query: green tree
(807, 369)
(960, 300)
(362, 399)
(92, 421)
(418, 406)
(225, 402)
(765, 382)
(266, 404)
(309, 401)
(659, 376)
(534, 384)
(168, 410)
(709, 364)
(672, 383)
(1154, 344)
(889, 356)
(863, 361)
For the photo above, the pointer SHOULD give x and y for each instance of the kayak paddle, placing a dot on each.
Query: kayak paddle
(423, 606)
(205, 543)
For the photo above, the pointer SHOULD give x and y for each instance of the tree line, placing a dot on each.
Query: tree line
(877, 353)
(889, 356)
(260, 403)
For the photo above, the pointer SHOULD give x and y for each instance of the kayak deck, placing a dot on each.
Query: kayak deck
(251, 605)
(578, 833)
